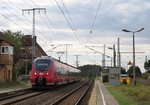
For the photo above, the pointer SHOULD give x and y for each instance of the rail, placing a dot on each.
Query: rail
(77, 95)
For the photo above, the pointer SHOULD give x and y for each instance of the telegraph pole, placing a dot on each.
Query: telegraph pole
(33, 30)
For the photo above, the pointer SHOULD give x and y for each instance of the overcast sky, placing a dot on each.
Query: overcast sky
(82, 23)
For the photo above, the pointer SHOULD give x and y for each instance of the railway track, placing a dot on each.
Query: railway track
(47, 97)
(11, 94)
(13, 97)
(75, 96)
(21, 96)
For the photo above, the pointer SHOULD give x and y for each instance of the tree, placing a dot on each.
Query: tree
(123, 70)
(144, 76)
(90, 70)
(147, 65)
(138, 72)
(16, 39)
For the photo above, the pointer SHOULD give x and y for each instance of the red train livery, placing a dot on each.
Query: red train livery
(49, 71)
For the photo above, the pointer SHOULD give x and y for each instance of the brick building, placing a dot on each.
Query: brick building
(6, 59)
(25, 55)
(26, 49)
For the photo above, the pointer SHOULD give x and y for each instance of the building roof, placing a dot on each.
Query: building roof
(27, 41)
(41, 50)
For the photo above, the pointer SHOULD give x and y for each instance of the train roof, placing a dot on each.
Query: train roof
(51, 58)
(43, 57)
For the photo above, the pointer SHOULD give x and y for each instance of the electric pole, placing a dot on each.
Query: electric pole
(118, 54)
(67, 51)
(103, 58)
(114, 54)
(61, 53)
(33, 30)
(146, 58)
(77, 60)
(114, 50)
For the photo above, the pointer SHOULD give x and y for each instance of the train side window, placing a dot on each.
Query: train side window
(55, 71)
(58, 71)
(62, 70)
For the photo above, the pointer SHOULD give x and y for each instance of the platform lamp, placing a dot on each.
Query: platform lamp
(133, 32)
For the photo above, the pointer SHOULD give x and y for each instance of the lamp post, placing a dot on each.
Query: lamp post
(133, 32)
(111, 59)
(114, 54)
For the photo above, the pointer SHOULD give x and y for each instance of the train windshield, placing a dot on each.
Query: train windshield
(42, 65)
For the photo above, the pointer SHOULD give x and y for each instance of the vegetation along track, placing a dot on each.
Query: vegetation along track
(75, 96)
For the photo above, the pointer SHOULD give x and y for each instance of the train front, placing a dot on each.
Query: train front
(41, 73)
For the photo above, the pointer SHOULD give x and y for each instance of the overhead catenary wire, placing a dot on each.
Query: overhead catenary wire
(92, 23)
(37, 25)
(15, 23)
(74, 28)
(95, 16)
(19, 19)
(47, 23)
(27, 3)
(71, 26)
(34, 3)
(13, 20)
(64, 15)
(94, 20)
(44, 21)
(13, 13)
(52, 25)
(17, 16)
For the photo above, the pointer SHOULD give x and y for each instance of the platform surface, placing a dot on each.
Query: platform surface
(101, 96)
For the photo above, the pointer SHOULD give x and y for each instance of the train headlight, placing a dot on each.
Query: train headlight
(35, 73)
(47, 73)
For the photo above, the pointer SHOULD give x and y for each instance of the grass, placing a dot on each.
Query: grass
(131, 95)
(13, 84)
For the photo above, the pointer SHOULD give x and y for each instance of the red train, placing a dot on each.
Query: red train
(49, 71)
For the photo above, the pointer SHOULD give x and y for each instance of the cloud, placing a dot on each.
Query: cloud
(52, 27)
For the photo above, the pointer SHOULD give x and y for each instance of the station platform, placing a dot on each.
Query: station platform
(14, 88)
(101, 96)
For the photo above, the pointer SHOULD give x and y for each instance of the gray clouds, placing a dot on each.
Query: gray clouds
(113, 16)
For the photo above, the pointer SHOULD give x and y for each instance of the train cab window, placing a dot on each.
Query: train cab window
(42, 65)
